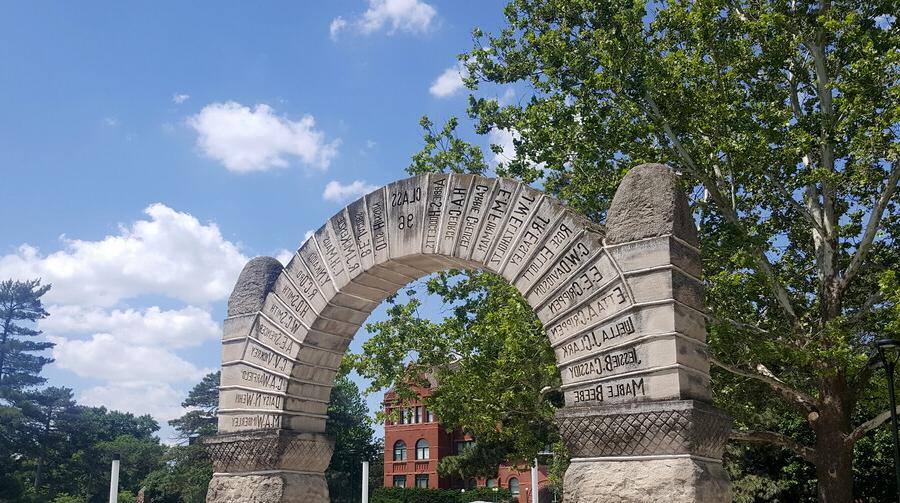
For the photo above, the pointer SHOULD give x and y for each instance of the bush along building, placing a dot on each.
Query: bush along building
(415, 442)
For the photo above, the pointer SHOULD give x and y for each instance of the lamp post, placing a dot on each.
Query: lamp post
(889, 351)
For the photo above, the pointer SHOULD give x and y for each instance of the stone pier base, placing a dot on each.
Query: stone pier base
(269, 466)
(271, 488)
(671, 480)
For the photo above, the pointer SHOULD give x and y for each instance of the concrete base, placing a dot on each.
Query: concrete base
(274, 488)
(672, 480)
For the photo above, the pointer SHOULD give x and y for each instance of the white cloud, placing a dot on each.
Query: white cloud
(411, 16)
(337, 24)
(186, 327)
(338, 193)
(180, 98)
(504, 138)
(111, 121)
(171, 254)
(160, 400)
(245, 139)
(105, 357)
(284, 256)
(449, 82)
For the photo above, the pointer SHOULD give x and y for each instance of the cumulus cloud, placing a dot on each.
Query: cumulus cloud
(103, 356)
(170, 254)
(284, 256)
(180, 98)
(257, 139)
(449, 82)
(337, 192)
(160, 400)
(504, 138)
(177, 328)
(411, 16)
(337, 24)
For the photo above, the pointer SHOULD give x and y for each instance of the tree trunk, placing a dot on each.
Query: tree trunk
(834, 455)
(38, 473)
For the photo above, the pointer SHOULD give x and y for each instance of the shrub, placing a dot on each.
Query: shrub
(417, 495)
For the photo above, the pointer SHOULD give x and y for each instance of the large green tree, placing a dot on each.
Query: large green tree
(354, 441)
(20, 301)
(782, 118)
(203, 400)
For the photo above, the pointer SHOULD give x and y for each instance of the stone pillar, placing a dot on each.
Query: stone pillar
(644, 430)
(256, 459)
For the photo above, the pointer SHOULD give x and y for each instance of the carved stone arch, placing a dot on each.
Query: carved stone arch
(623, 309)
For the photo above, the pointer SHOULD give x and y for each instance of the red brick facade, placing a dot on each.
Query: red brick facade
(413, 464)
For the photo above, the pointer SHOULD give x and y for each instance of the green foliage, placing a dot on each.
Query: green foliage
(204, 399)
(67, 498)
(354, 442)
(417, 495)
(183, 476)
(19, 367)
(782, 120)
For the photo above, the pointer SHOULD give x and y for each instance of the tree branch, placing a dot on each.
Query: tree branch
(800, 208)
(763, 374)
(869, 425)
(871, 227)
(730, 213)
(776, 439)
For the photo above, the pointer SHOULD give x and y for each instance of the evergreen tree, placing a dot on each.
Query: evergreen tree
(19, 367)
(204, 398)
(44, 412)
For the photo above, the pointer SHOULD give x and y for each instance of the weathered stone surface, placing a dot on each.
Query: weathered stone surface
(648, 203)
(253, 284)
(675, 427)
(673, 480)
(281, 487)
(622, 306)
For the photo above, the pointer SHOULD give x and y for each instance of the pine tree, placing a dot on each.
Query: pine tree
(44, 411)
(204, 399)
(19, 367)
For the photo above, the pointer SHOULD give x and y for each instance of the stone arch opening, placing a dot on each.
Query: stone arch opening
(621, 304)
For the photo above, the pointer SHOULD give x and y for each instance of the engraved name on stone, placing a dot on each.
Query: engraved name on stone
(454, 212)
(519, 214)
(539, 226)
(434, 211)
(615, 331)
(550, 267)
(617, 361)
(474, 216)
(267, 333)
(617, 391)
(291, 297)
(378, 228)
(341, 227)
(359, 223)
(312, 259)
(588, 281)
(254, 421)
(594, 311)
(298, 274)
(496, 213)
(265, 357)
(330, 251)
(254, 400)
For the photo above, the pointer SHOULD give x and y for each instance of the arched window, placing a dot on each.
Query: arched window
(399, 450)
(514, 486)
(492, 483)
(422, 449)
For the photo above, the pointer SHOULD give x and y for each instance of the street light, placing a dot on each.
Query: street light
(889, 351)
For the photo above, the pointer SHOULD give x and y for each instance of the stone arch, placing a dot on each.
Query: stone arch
(621, 305)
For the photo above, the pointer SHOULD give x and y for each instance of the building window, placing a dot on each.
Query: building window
(471, 484)
(402, 414)
(400, 451)
(422, 449)
(492, 483)
(422, 481)
(463, 446)
(514, 486)
(418, 415)
(399, 480)
(429, 415)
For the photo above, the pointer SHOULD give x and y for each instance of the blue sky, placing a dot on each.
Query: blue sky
(149, 149)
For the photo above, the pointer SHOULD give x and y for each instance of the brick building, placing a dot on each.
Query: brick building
(415, 441)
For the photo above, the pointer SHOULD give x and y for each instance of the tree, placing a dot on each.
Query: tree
(44, 412)
(21, 301)
(354, 441)
(782, 119)
(204, 398)
(183, 477)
